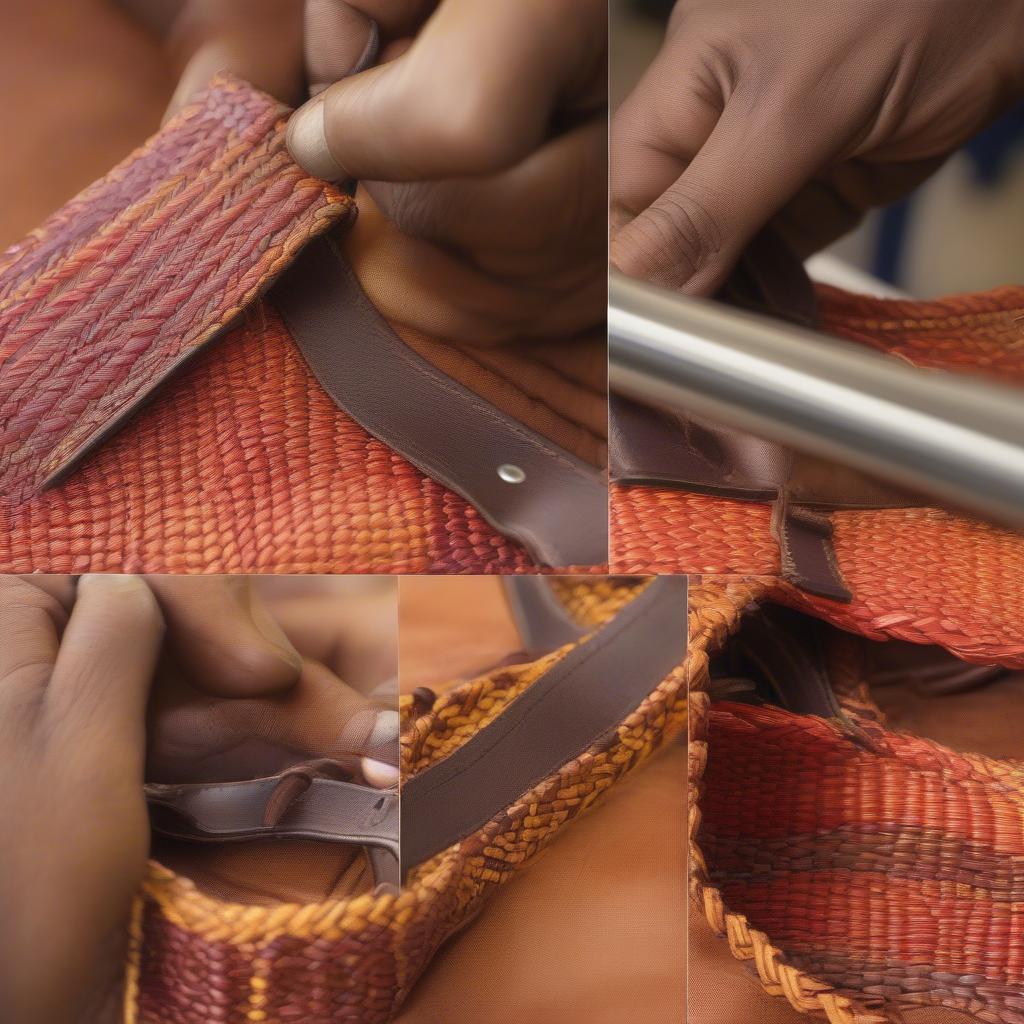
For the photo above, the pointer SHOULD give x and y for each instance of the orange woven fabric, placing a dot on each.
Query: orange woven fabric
(859, 875)
(240, 462)
(916, 574)
(244, 464)
(962, 576)
(981, 333)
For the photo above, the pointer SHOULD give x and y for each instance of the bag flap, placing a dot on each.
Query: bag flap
(141, 270)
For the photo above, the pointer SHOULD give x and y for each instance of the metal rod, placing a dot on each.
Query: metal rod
(955, 438)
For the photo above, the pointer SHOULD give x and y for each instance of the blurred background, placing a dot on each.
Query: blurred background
(961, 231)
(82, 83)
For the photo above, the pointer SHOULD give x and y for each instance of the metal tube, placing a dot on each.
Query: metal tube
(958, 439)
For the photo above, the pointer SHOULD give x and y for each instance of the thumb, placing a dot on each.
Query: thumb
(472, 95)
(692, 235)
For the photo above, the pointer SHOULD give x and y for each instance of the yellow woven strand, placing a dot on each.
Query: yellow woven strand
(133, 961)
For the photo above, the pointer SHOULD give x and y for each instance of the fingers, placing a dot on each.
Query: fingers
(202, 738)
(338, 39)
(57, 586)
(473, 94)
(353, 634)
(341, 37)
(104, 668)
(258, 40)
(754, 161)
(326, 718)
(562, 184)
(31, 621)
(485, 237)
(661, 126)
(224, 637)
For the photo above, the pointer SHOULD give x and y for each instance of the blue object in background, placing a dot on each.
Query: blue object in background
(989, 153)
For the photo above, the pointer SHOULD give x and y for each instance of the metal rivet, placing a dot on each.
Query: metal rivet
(511, 474)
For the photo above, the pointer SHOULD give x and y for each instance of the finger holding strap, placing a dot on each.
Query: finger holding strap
(755, 160)
(473, 94)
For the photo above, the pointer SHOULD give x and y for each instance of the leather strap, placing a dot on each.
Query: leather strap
(785, 646)
(576, 704)
(770, 278)
(526, 487)
(658, 448)
(543, 623)
(301, 803)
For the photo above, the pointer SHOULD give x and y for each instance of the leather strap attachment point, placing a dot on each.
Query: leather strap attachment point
(575, 706)
(526, 487)
(308, 801)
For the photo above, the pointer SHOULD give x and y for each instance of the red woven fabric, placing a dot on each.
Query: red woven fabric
(893, 875)
(94, 312)
(240, 463)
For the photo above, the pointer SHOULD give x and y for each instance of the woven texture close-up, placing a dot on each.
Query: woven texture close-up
(116, 456)
(923, 574)
(862, 873)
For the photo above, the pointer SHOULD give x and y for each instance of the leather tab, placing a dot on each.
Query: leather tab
(527, 488)
(785, 646)
(805, 544)
(320, 807)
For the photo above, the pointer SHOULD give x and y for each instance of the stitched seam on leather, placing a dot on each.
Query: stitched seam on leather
(533, 700)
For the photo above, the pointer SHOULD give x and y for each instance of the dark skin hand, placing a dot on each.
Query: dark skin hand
(72, 738)
(479, 139)
(75, 751)
(803, 113)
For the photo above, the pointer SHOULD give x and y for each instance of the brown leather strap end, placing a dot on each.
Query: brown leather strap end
(805, 545)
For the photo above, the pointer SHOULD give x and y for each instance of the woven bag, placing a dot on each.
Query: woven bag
(192, 380)
(858, 550)
(861, 872)
(556, 731)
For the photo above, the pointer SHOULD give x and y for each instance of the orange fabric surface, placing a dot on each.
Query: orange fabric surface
(222, 473)
(593, 932)
(451, 629)
(916, 574)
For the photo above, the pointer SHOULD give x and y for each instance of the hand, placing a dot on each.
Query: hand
(805, 112)
(227, 639)
(73, 691)
(348, 625)
(194, 737)
(224, 636)
(351, 627)
(479, 139)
